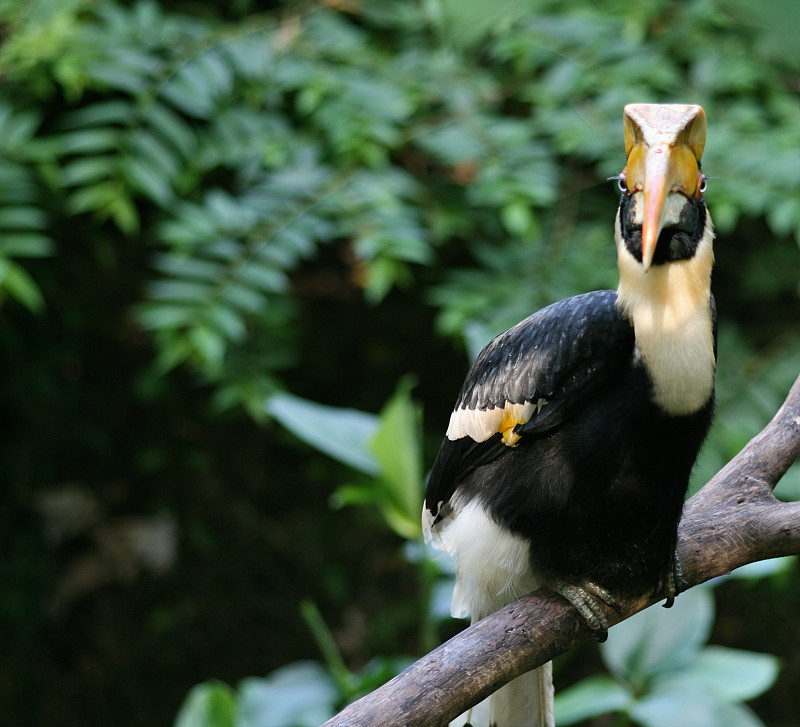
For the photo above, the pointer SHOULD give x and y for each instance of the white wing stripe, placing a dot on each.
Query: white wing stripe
(481, 424)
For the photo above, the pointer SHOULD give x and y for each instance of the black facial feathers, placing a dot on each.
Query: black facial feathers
(677, 242)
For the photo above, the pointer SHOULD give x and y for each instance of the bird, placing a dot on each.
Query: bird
(568, 453)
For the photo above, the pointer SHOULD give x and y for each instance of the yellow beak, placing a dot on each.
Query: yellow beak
(664, 144)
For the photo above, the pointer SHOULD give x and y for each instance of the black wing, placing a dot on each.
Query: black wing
(527, 381)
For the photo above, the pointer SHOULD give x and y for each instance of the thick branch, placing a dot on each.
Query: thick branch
(732, 521)
(753, 473)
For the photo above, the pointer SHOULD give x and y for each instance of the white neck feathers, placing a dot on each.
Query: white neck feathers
(669, 308)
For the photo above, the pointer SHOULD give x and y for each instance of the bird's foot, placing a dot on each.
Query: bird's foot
(673, 583)
(586, 596)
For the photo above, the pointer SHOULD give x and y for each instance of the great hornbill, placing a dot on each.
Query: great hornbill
(569, 451)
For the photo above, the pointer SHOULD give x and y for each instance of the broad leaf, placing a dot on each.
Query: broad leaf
(344, 434)
(689, 707)
(657, 641)
(301, 694)
(396, 446)
(211, 704)
(589, 698)
(732, 675)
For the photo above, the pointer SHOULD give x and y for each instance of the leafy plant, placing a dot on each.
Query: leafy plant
(300, 694)
(385, 447)
(237, 152)
(661, 674)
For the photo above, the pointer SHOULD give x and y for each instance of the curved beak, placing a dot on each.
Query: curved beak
(664, 144)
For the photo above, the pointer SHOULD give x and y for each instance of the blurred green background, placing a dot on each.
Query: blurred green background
(246, 252)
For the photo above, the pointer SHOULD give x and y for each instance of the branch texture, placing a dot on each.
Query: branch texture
(734, 520)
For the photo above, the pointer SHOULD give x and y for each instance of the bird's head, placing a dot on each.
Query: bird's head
(662, 215)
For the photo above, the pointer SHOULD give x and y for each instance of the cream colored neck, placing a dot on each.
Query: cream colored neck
(669, 308)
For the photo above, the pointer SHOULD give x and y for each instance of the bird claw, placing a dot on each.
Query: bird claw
(587, 595)
(585, 598)
(674, 582)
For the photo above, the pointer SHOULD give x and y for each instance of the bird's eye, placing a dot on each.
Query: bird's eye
(622, 181)
(701, 188)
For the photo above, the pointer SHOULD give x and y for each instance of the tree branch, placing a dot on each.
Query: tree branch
(734, 520)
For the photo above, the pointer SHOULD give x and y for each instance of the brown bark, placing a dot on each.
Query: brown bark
(732, 521)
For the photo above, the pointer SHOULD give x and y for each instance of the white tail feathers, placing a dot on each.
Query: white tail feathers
(493, 567)
(527, 701)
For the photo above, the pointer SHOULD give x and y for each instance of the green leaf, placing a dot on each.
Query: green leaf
(657, 640)
(380, 275)
(193, 89)
(88, 170)
(212, 704)
(90, 141)
(227, 321)
(22, 218)
(590, 698)
(301, 694)
(25, 244)
(344, 434)
(102, 113)
(682, 707)
(149, 148)
(397, 448)
(251, 55)
(466, 22)
(174, 130)
(209, 347)
(517, 218)
(172, 352)
(92, 199)
(116, 75)
(148, 180)
(732, 675)
(186, 266)
(155, 316)
(216, 71)
(17, 283)
(122, 211)
(176, 289)
(244, 299)
(264, 277)
(17, 129)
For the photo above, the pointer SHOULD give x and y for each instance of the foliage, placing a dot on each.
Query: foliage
(661, 673)
(216, 217)
(208, 704)
(23, 222)
(300, 694)
(238, 150)
(385, 447)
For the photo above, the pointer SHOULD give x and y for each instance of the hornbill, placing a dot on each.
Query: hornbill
(568, 454)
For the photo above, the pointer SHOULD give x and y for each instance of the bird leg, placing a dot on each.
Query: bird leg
(585, 597)
(673, 583)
